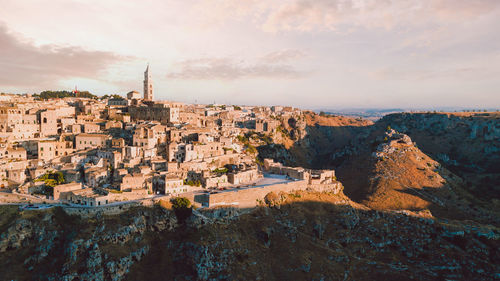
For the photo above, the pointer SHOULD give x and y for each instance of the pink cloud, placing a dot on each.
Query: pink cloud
(308, 15)
(269, 66)
(23, 64)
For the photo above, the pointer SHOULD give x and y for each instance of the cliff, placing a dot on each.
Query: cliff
(463, 145)
(303, 236)
(466, 143)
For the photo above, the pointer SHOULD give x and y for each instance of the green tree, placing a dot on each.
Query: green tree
(182, 208)
(45, 95)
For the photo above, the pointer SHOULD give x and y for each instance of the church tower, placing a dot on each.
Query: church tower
(148, 85)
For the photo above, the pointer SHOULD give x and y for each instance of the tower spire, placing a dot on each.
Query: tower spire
(148, 85)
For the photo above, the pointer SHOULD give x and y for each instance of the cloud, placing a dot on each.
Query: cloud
(268, 66)
(214, 13)
(308, 15)
(283, 56)
(23, 64)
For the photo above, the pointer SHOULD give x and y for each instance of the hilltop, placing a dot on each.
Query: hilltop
(397, 175)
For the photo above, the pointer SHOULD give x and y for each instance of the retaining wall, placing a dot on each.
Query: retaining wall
(250, 197)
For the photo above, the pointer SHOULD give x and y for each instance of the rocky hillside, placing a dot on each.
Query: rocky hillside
(311, 139)
(304, 236)
(52, 245)
(461, 149)
(393, 174)
(466, 143)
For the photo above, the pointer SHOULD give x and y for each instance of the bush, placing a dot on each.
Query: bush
(182, 208)
(52, 179)
(192, 183)
(250, 149)
(221, 171)
(271, 199)
(181, 202)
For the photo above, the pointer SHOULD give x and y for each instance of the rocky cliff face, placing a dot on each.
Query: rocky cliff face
(470, 141)
(307, 236)
(314, 139)
(466, 143)
(52, 245)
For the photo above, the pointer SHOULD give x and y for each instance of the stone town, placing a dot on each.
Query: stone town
(92, 152)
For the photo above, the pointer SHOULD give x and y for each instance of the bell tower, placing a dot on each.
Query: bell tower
(148, 85)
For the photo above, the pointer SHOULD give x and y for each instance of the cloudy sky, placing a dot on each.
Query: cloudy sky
(307, 53)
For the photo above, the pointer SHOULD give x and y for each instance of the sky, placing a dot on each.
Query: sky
(304, 53)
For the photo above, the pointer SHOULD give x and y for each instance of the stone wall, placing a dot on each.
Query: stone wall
(250, 197)
(105, 210)
(134, 194)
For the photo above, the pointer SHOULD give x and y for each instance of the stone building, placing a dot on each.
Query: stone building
(132, 181)
(18, 153)
(155, 112)
(61, 190)
(84, 141)
(50, 149)
(87, 197)
(266, 126)
(168, 184)
(133, 95)
(96, 175)
(91, 128)
(118, 102)
(247, 176)
(210, 180)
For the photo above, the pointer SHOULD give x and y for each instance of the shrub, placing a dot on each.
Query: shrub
(271, 199)
(250, 148)
(181, 202)
(182, 208)
(221, 171)
(192, 183)
(52, 178)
